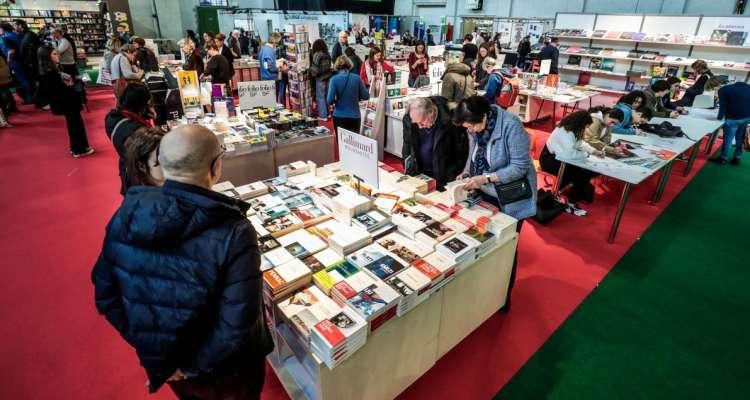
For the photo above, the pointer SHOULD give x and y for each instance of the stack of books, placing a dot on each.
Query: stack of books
(445, 265)
(376, 303)
(302, 243)
(377, 261)
(374, 221)
(458, 224)
(348, 204)
(341, 238)
(336, 338)
(333, 274)
(404, 248)
(434, 233)
(251, 190)
(414, 287)
(460, 248)
(284, 279)
(433, 212)
(321, 260)
(305, 308)
(409, 223)
(486, 239)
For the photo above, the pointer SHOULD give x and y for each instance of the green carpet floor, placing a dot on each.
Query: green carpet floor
(672, 319)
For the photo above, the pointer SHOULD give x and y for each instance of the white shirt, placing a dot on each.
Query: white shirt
(563, 144)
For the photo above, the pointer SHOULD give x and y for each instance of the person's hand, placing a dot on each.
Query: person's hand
(177, 376)
(462, 176)
(475, 182)
(683, 110)
(68, 82)
(674, 114)
(619, 151)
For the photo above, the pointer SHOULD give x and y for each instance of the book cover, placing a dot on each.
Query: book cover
(638, 36)
(367, 255)
(384, 267)
(437, 231)
(399, 286)
(599, 33)
(574, 60)
(735, 38)
(627, 35)
(404, 248)
(608, 64)
(367, 302)
(427, 269)
(329, 329)
(613, 35)
(595, 63)
(267, 243)
(719, 36)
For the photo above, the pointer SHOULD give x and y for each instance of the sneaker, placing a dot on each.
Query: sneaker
(718, 160)
(735, 161)
(88, 152)
(573, 209)
(46, 108)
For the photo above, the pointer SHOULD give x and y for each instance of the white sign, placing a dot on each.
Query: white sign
(359, 156)
(257, 94)
(544, 67)
(435, 51)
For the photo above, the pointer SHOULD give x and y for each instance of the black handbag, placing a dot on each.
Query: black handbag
(664, 129)
(512, 192)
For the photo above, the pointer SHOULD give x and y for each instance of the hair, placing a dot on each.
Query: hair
(489, 47)
(488, 62)
(713, 83)
(420, 43)
(21, 22)
(220, 36)
(44, 55)
(699, 66)
(614, 113)
(209, 33)
(629, 98)
(576, 122)
(135, 98)
(468, 37)
(58, 30)
(212, 46)
(138, 40)
(319, 45)
(472, 110)
(7, 27)
(349, 51)
(127, 48)
(672, 80)
(115, 43)
(274, 38)
(553, 40)
(660, 86)
(138, 149)
(187, 42)
(343, 62)
(422, 105)
(374, 50)
(645, 112)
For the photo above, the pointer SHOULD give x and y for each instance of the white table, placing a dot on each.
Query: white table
(696, 125)
(566, 100)
(707, 115)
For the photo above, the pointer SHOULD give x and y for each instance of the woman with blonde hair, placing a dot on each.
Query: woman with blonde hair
(192, 55)
(702, 73)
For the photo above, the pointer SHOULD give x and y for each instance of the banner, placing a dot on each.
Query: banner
(257, 94)
(359, 156)
(190, 92)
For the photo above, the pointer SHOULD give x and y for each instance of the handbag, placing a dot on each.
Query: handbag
(511, 192)
(665, 129)
(547, 207)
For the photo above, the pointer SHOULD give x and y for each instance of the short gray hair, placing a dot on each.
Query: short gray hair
(422, 105)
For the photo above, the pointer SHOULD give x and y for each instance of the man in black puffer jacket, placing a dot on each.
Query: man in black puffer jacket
(179, 277)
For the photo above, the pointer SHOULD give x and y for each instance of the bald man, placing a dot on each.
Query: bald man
(179, 277)
(340, 46)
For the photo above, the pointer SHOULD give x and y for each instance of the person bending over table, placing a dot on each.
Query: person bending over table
(599, 134)
(674, 83)
(734, 109)
(653, 95)
(433, 145)
(567, 142)
(628, 103)
(499, 158)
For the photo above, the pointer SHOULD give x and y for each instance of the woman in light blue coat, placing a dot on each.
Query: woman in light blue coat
(628, 103)
(499, 157)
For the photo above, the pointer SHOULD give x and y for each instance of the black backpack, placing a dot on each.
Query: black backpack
(547, 207)
(664, 129)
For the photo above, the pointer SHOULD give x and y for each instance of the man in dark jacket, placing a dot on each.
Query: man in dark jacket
(433, 145)
(179, 277)
(550, 52)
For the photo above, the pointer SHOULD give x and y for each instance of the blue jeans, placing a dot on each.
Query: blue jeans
(732, 131)
(321, 90)
(281, 92)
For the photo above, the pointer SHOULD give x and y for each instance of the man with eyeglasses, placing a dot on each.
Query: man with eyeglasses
(179, 277)
(433, 145)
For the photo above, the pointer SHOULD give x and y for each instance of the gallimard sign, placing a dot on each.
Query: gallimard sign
(359, 156)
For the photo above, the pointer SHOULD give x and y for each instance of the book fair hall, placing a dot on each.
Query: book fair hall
(374, 199)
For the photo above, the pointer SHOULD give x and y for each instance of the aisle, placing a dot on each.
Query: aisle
(670, 321)
(53, 210)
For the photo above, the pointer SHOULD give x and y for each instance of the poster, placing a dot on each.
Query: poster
(359, 156)
(190, 92)
(257, 94)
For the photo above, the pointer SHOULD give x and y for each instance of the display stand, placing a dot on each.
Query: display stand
(373, 118)
(298, 56)
(249, 167)
(318, 150)
(404, 348)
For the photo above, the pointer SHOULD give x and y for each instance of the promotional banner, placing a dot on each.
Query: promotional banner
(190, 92)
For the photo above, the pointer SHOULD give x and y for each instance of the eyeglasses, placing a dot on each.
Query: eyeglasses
(218, 156)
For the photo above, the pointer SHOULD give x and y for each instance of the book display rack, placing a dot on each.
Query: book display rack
(86, 27)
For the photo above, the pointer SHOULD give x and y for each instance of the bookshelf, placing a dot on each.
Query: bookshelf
(86, 27)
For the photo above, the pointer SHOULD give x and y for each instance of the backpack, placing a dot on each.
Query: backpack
(665, 129)
(547, 207)
(321, 67)
(509, 89)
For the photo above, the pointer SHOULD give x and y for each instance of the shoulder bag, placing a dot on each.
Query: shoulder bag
(517, 190)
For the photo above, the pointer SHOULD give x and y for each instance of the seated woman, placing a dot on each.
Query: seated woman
(626, 104)
(142, 157)
(566, 142)
(599, 134)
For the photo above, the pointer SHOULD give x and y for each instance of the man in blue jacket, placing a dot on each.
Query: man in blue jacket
(734, 109)
(179, 277)
(268, 69)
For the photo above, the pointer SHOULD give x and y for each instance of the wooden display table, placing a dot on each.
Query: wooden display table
(248, 167)
(404, 348)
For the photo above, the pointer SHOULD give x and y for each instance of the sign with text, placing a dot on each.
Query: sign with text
(190, 92)
(544, 67)
(359, 156)
(257, 94)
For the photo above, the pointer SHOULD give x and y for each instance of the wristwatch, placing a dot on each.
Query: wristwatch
(489, 178)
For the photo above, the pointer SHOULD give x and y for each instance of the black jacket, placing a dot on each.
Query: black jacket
(227, 53)
(449, 151)
(697, 88)
(146, 60)
(64, 99)
(125, 128)
(524, 48)
(194, 63)
(550, 52)
(218, 69)
(179, 278)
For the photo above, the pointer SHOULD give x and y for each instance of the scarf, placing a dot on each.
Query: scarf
(135, 117)
(479, 164)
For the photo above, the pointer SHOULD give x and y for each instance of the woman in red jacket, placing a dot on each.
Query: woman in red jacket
(418, 63)
(374, 67)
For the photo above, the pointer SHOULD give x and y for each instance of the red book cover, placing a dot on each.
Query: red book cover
(345, 290)
(427, 269)
(450, 210)
(489, 206)
(464, 221)
(378, 321)
(330, 332)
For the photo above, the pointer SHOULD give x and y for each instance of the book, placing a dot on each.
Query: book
(267, 243)
(371, 220)
(278, 256)
(341, 238)
(434, 233)
(335, 339)
(407, 222)
(719, 36)
(627, 35)
(595, 63)
(458, 224)
(285, 278)
(599, 33)
(251, 190)
(608, 64)
(404, 248)
(484, 237)
(735, 38)
(385, 201)
(385, 267)
(367, 255)
(302, 243)
(348, 204)
(613, 35)
(306, 307)
(326, 278)
(321, 260)
(574, 60)
(460, 248)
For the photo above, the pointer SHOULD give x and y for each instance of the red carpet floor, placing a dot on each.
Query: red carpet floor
(53, 210)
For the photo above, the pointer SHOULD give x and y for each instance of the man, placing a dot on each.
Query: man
(430, 39)
(673, 83)
(65, 51)
(340, 46)
(734, 109)
(551, 52)
(654, 101)
(245, 43)
(23, 59)
(432, 144)
(145, 58)
(470, 49)
(268, 69)
(179, 277)
(123, 33)
(234, 44)
(524, 48)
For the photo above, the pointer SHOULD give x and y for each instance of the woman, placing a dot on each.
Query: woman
(134, 110)
(142, 157)
(702, 73)
(457, 81)
(208, 38)
(418, 64)
(64, 100)
(627, 104)
(354, 58)
(124, 71)
(190, 34)
(566, 142)
(320, 71)
(6, 97)
(493, 80)
(345, 91)
(113, 47)
(217, 67)
(481, 75)
(524, 48)
(499, 150)
(374, 68)
(194, 59)
(234, 44)
(224, 50)
(599, 134)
